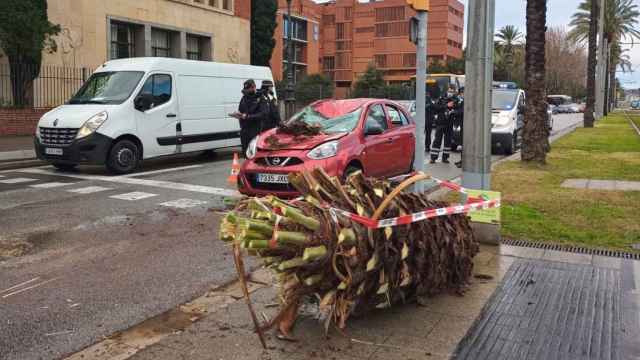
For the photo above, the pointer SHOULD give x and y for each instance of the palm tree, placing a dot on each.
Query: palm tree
(535, 143)
(594, 16)
(509, 37)
(621, 19)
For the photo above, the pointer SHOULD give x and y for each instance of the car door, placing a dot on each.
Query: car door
(520, 116)
(157, 115)
(378, 147)
(403, 140)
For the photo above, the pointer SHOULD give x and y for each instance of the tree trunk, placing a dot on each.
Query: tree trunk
(606, 82)
(536, 131)
(22, 74)
(591, 65)
(612, 85)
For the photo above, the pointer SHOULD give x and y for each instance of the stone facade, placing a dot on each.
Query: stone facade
(220, 28)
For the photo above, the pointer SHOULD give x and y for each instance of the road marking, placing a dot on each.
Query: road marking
(143, 182)
(28, 288)
(50, 185)
(19, 285)
(163, 171)
(183, 203)
(17, 181)
(89, 190)
(133, 196)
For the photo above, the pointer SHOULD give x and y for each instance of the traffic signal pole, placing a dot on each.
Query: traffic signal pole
(476, 144)
(421, 89)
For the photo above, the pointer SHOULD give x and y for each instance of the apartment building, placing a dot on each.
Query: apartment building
(94, 31)
(341, 37)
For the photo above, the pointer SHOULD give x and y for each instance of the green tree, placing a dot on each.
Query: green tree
(314, 87)
(457, 66)
(25, 32)
(436, 67)
(621, 19)
(369, 83)
(509, 40)
(263, 26)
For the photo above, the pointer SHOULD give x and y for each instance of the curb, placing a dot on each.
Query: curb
(633, 123)
(12, 165)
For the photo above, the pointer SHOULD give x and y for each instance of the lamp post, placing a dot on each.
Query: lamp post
(290, 99)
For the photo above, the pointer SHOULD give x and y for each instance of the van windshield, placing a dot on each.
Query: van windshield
(107, 88)
(504, 100)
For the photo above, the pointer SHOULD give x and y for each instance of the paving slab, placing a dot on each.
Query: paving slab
(611, 185)
(602, 185)
(575, 183)
(550, 310)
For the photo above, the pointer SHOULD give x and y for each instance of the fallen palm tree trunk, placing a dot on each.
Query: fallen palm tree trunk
(332, 244)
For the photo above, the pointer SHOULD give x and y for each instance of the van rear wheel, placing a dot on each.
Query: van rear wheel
(124, 157)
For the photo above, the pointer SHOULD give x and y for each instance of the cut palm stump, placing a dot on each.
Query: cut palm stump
(348, 267)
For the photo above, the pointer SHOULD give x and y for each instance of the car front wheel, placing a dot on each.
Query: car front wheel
(124, 157)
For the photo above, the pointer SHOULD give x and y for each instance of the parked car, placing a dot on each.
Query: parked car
(371, 135)
(507, 120)
(142, 108)
(635, 105)
(409, 105)
(550, 116)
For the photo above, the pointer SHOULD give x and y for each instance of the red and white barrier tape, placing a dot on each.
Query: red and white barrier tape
(419, 216)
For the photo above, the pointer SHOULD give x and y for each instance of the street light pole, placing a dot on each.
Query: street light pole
(290, 96)
(421, 89)
(476, 149)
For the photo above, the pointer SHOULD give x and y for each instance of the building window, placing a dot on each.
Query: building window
(390, 13)
(340, 31)
(392, 29)
(299, 72)
(226, 4)
(194, 48)
(122, 40)
(329, 63)
(298, 52)
(299, 28)
(160, 43)
(380, 60)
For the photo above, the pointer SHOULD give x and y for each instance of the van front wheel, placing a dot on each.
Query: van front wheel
(123, 157)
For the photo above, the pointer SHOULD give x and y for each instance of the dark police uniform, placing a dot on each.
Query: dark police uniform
(444, 130)
(256, 112)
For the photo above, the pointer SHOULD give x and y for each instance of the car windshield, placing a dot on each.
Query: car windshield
(329, 120)
(504, 100)
(107, 88)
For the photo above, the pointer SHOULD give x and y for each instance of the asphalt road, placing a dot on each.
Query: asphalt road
(85, 254)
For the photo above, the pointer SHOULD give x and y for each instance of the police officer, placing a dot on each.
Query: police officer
(273, 120)
(444, 129)
(251, 112)
(459, 118)
(429, 119)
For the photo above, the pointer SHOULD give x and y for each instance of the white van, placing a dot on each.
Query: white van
(507, 118)
(142, 108)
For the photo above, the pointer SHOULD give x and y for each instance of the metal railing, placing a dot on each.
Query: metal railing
(46, 86)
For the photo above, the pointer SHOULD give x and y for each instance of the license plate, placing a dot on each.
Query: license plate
(53, 151)
(273, 178)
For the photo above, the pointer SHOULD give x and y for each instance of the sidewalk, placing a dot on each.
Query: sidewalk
(15, 148)
(519, 303)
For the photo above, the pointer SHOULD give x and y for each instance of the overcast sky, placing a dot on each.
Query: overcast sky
(512, 12)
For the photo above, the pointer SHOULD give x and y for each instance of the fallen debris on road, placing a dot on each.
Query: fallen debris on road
(351, 268)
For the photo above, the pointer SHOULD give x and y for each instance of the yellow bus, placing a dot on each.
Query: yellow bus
(439, 84)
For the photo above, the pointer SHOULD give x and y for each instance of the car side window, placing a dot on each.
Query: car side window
(158, 86)
(376, 115)
(397, 119)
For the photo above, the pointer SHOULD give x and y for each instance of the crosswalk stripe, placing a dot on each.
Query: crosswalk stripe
(183, 203)
(133, 196)
(89, 190)
(50, 185)
(17, 180)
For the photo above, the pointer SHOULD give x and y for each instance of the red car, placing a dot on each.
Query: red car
(373, 135)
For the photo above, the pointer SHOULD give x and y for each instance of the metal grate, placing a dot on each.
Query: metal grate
(58, 136)
(573, 249)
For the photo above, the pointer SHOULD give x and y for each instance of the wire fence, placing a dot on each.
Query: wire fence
(45, 86)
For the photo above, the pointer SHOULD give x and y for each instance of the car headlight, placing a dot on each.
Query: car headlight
(252, 149)
(502, 121)
(324, 151)
(91, 125)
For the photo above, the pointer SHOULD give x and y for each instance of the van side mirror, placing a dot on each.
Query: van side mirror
(143, 102)
(373, 128)
(522, 109)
